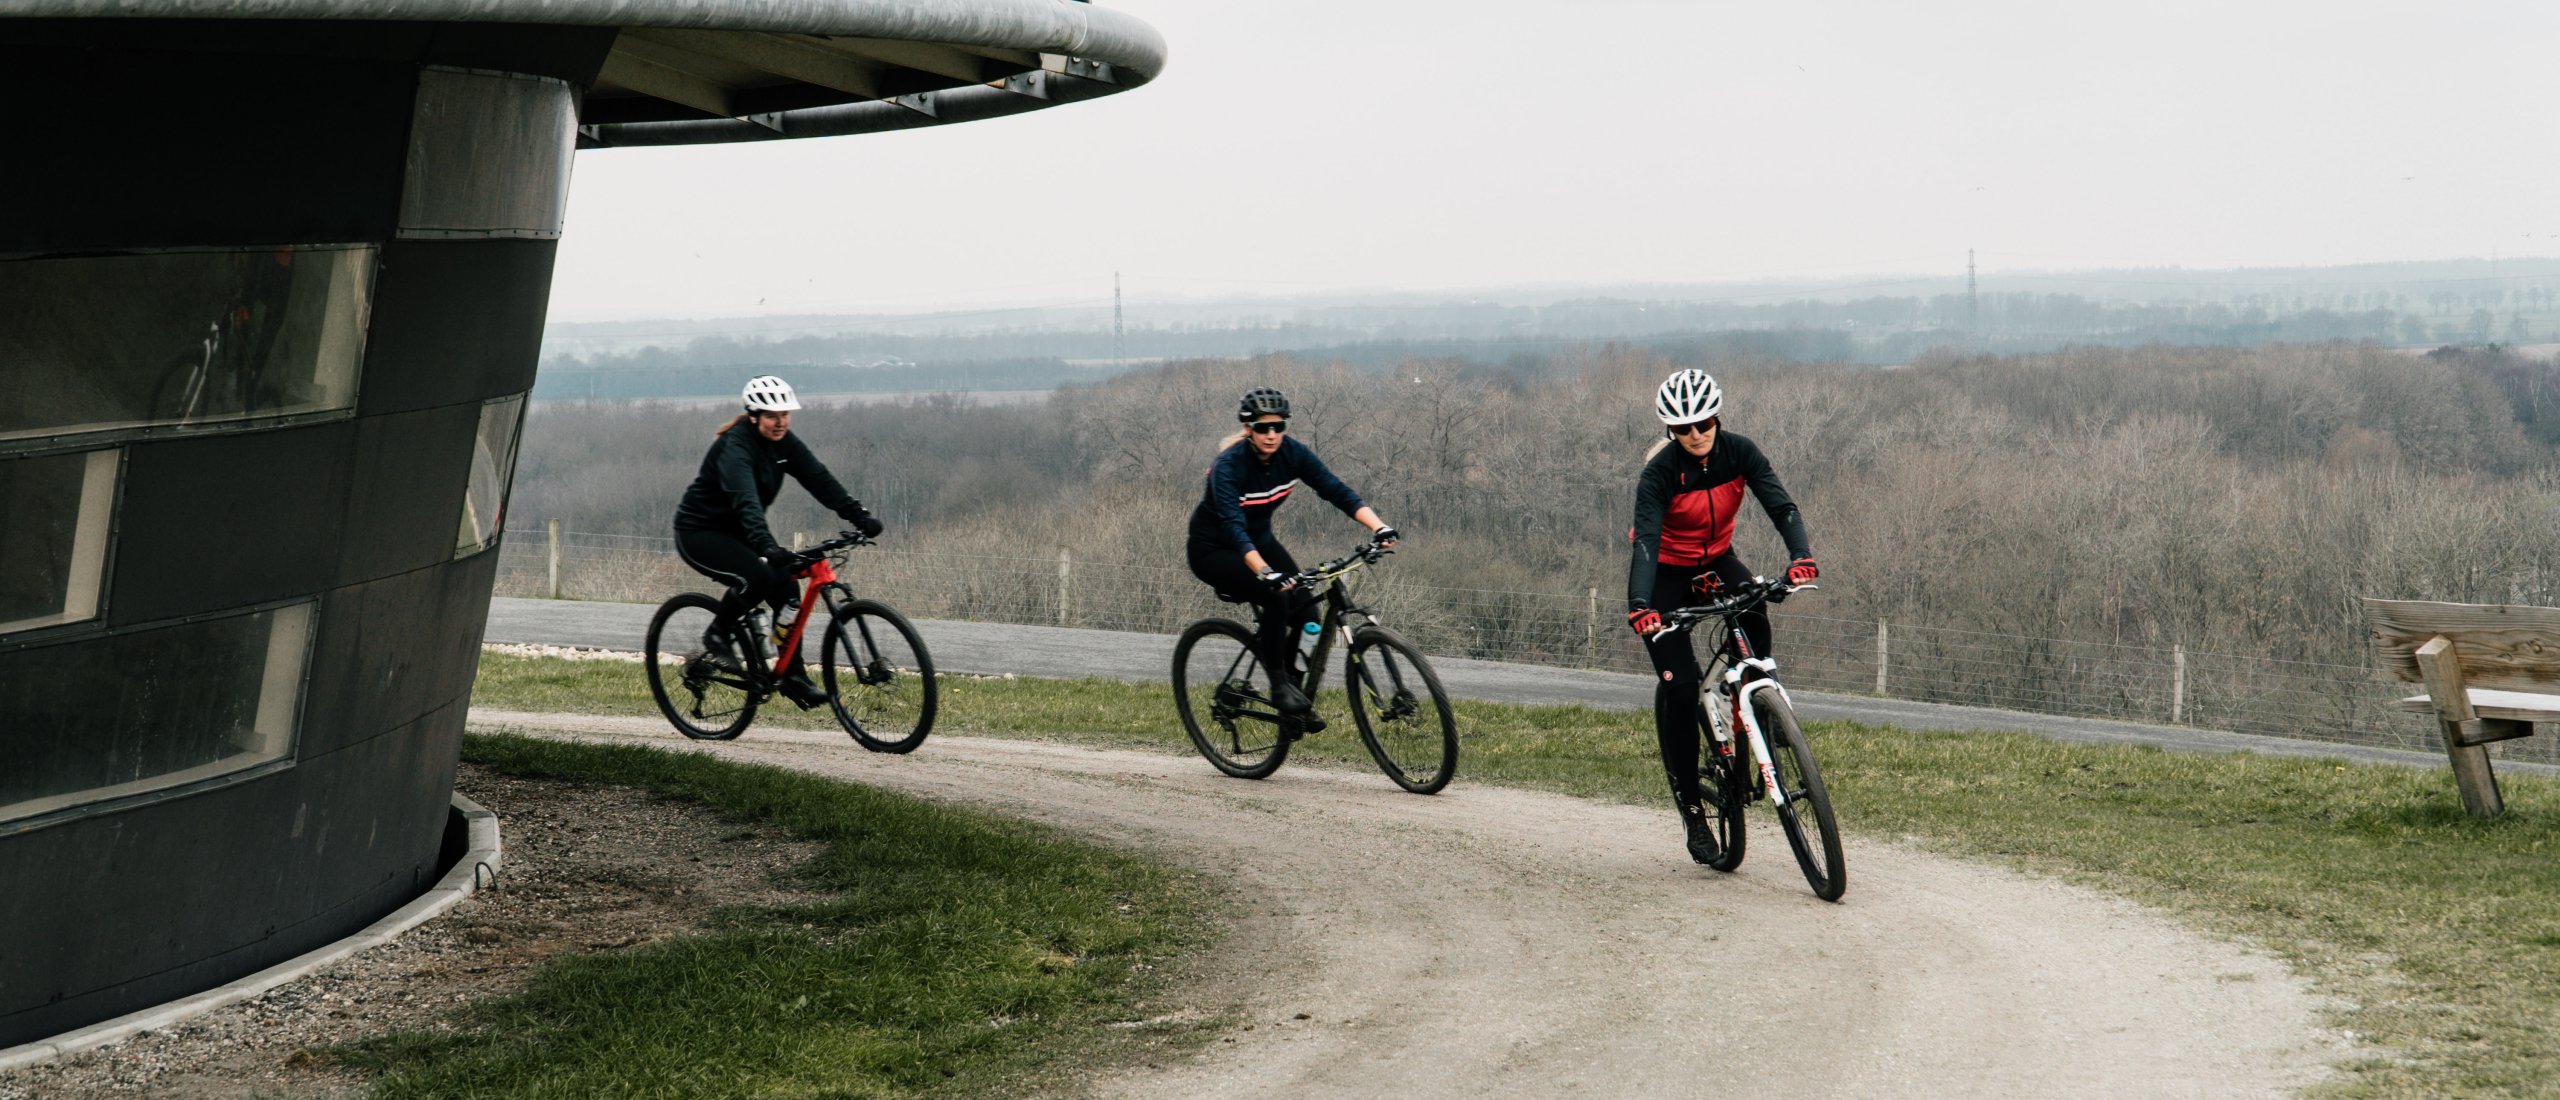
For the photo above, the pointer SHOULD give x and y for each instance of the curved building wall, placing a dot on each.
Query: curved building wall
(270, 299)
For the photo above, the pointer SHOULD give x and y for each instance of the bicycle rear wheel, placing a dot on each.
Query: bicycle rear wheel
(879, 679)
(1217, 685)
(1403, 715)
(697, 676)
(1805, 812)
(1725, 782)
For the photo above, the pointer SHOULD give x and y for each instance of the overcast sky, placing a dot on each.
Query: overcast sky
(1328, 144)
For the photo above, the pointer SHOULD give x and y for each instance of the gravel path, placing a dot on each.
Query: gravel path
(1508, 943)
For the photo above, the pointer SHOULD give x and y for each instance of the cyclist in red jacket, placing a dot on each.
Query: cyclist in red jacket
(1686, 499)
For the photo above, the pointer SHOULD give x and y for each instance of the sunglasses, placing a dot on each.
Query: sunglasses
(1706, 425)
(1269, 427)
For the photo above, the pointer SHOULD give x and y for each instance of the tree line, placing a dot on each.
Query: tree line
(2227, 500)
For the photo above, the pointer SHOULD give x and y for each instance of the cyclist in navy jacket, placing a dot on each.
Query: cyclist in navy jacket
(1686, 499)
(1231, 546)
(720, 525)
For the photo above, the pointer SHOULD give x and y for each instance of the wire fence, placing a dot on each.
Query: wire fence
(2350, 704)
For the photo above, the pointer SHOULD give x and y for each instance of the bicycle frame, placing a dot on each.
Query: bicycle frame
(1336, 620)
(819, 574)
(1737, 644)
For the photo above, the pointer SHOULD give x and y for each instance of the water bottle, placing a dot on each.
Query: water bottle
(782, 624)
(1719, 701)
(1308, 636)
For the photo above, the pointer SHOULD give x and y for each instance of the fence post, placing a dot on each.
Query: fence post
(2177, 683)
(799, 540)
(1880, 655)
(1063, 592)
(1591, 631)
(554, 525)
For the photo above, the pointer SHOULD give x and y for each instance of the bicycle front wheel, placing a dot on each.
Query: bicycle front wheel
(879, 679)
(1217, 685)
(695, 672)
(1403, 714)
(1805, 812)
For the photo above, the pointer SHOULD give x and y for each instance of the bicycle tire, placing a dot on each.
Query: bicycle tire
(1216, 687)
(721, 698)
(1800, 780)
(879, 677)
(1416, 746)
(1725, 782)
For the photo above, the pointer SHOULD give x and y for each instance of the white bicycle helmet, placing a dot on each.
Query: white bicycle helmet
(1687, 397)
(766, 393)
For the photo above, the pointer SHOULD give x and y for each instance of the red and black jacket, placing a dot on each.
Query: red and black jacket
(1685, 508)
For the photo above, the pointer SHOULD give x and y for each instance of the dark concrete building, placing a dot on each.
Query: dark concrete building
(272, 281)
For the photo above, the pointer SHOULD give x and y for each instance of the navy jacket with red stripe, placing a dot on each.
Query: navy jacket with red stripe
(1243, 492)
(1685, 508)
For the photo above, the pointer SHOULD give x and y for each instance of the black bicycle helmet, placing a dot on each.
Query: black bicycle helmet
(1262, 402)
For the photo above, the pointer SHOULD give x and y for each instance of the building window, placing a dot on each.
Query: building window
(181, 338)
(150, 711)
(53, 545)
(493, 468)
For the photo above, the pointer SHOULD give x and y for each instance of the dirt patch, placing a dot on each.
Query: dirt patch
(588, 869)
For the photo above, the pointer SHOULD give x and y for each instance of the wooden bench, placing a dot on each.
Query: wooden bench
(2491, 672)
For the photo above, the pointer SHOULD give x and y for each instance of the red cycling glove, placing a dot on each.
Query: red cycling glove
(1802, 571)
(1644, 621)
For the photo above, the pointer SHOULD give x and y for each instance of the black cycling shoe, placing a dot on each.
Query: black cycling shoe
(1292, 701)
(1702, 832)
(799, 690)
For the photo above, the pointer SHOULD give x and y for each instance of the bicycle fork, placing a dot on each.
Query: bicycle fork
(1749, 720)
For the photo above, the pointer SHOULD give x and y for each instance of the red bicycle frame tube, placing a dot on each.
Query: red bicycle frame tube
(819, 572)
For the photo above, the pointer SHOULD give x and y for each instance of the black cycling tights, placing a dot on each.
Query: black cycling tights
(1675, 662)
(1223, 569)
(727, 558)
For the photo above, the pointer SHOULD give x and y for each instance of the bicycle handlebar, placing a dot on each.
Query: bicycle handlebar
(1757, 591)
(1368, 553)
(843, 541)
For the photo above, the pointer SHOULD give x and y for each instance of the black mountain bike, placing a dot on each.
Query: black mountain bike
(1771, 761)
(1404, 716)
(709, 673)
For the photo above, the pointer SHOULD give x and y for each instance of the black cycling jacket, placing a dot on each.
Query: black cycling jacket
(1243, 491)
(740, 476)
(1685, 508)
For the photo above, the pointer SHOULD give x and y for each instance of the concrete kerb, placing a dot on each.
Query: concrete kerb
(477, 868)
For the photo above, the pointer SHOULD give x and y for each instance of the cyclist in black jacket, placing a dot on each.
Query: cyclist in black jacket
(720, 524)
(1686, 498)
(1231, 546)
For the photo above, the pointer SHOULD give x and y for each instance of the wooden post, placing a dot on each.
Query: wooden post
(1591, 629)
(1063, 591)
(2441, 669)
(1880, 656)
(2177, 683)
(554, 525)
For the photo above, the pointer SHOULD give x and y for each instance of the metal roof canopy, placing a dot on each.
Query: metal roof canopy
(685, 72)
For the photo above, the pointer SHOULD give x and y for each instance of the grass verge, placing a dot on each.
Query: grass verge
(2439, 935)
(956, 954)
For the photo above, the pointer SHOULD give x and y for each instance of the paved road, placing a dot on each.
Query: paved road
(998, 648)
